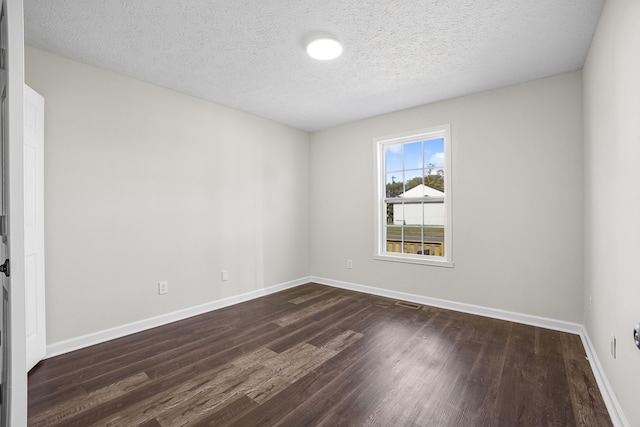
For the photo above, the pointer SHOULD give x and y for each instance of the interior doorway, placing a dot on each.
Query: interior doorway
(3, 219)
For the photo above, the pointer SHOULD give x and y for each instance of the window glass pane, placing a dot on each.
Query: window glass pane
(394, 238)
(433, 248)
(434, 214)
(397, 216)
(394, 186)
(389, 213)
(413, 155)
(413, 183)
(412, 214)
(433, 222)
(394, 246)
(413, 240)
(434, 163)
(393, 157)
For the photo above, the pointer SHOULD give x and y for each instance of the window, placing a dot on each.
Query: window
(413, 197)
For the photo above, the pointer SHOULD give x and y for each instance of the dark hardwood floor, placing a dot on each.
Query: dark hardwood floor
(319, 356)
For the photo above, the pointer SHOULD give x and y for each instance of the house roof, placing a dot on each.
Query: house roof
(422, 190)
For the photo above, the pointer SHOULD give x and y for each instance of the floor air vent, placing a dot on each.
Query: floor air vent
(406, 304)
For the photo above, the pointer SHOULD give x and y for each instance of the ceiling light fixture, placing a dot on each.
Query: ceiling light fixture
(324, 49)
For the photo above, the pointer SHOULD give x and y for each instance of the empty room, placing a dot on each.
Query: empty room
(301, 213)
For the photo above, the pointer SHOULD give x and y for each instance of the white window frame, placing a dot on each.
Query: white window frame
(380, 229)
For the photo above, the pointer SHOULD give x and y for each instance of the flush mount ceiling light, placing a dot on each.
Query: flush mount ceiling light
(324, 49)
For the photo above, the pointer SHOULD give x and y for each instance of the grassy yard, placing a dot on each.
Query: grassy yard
(395, 231)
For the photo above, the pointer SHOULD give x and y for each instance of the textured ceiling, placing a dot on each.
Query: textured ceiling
(250, 54)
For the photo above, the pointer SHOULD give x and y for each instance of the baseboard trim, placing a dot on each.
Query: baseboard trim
(609, 397)
(615, 411)
(61, 347)
(527, 319)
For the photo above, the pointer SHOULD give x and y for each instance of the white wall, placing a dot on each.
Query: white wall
(144, 185)
(516, 151)
(612, 197)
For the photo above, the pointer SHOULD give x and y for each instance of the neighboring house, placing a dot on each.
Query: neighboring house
(416, 212)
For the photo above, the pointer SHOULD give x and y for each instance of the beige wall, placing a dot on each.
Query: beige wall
(143, 185)
(517, 200)
(612, 197)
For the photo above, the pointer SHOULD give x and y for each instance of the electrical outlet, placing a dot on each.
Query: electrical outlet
(349, 264)
(613, 346)
(163, 288)
(224, 276)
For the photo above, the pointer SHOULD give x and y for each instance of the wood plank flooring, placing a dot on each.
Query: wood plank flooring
(319, 356)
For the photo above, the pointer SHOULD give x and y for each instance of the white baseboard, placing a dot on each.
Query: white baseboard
(615, 411)
(613, 406)
(527, 319)
(61, 347)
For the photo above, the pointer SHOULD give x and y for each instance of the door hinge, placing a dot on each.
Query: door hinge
(3, 227)
(4, 268)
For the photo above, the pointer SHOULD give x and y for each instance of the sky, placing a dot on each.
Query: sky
(412, 159)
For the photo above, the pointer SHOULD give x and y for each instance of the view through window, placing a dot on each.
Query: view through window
(414, 215)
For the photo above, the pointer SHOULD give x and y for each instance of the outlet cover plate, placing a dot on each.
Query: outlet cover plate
(163, 288)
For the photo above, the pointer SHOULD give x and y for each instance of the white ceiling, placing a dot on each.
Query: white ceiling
(250, 54)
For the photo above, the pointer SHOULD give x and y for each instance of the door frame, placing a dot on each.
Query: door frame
(16, 386)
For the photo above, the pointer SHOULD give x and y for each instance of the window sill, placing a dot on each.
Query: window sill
(432, 261)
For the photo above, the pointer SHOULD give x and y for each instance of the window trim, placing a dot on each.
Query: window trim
(380, 253)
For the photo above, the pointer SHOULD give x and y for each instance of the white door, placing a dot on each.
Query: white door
(34, 226)
(13, 411)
